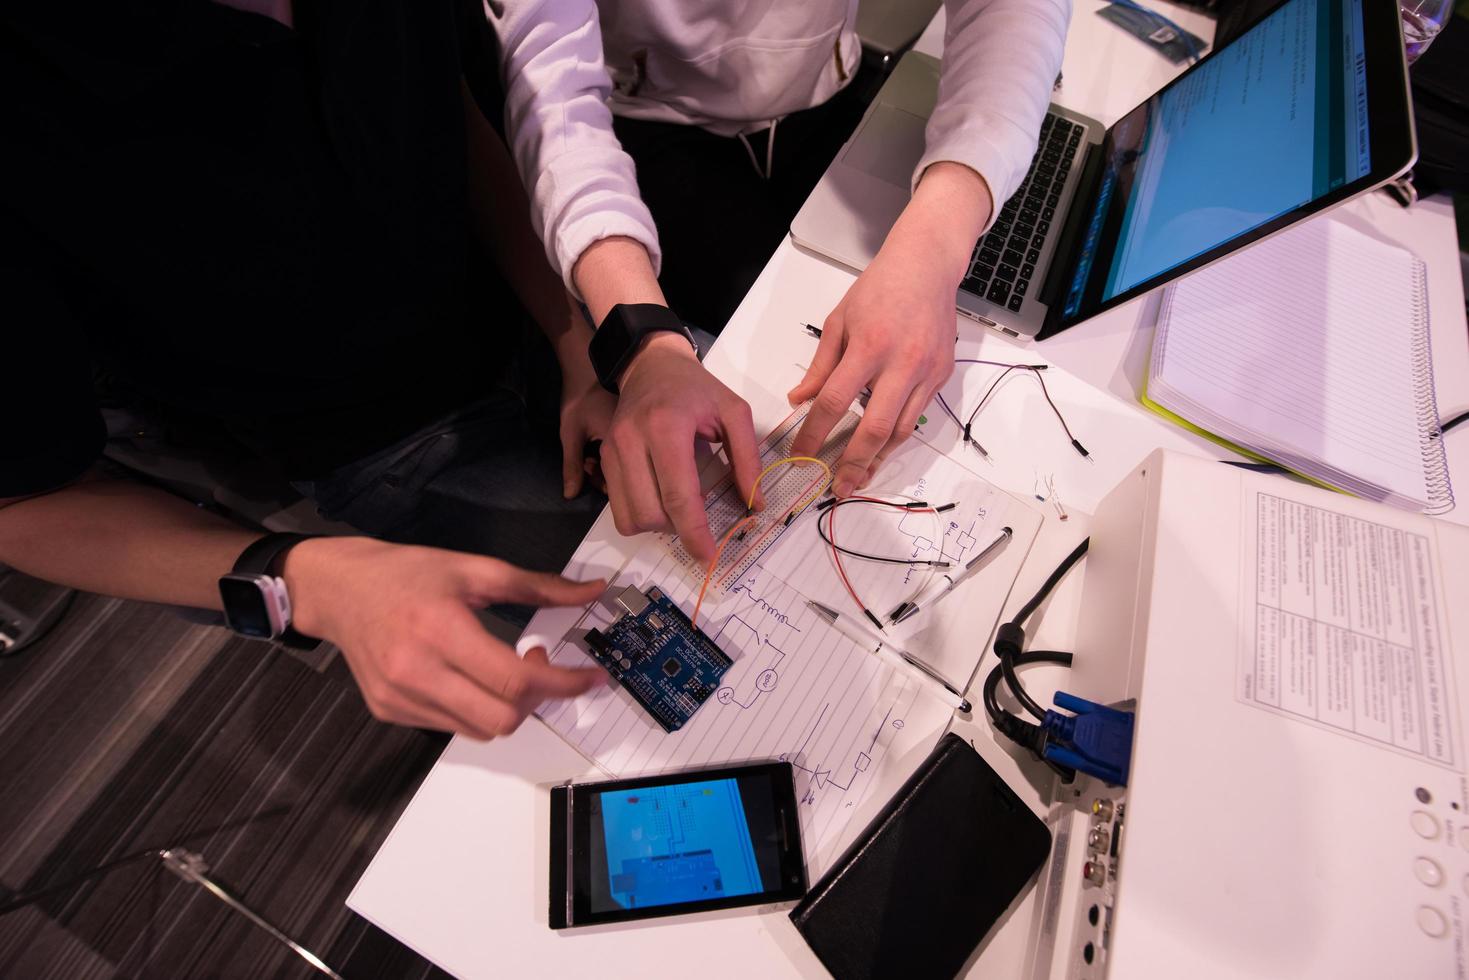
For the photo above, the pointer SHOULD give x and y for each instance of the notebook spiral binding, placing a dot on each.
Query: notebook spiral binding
(1425, 394)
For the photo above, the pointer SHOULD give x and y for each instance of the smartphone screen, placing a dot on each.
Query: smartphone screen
(672, 844)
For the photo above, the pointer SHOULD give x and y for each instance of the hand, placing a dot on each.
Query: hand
(668, 401)
(894, 330)
(404, 619)
(586, 416)
(586, 407)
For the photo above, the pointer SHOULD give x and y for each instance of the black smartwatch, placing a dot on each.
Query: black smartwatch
(256, 603)
(622, 333)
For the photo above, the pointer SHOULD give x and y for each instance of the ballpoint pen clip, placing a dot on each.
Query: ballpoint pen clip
(825, 612)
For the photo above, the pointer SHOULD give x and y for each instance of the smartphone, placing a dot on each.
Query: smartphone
(666, 845)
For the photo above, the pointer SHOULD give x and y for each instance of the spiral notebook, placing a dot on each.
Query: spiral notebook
(1310, 350)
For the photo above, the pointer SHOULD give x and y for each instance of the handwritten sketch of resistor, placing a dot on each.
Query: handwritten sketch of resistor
(823, 776)
(957, 540)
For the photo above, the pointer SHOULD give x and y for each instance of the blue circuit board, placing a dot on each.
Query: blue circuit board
(666, 663)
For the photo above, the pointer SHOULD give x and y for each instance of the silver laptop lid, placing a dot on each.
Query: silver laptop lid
(862, 193)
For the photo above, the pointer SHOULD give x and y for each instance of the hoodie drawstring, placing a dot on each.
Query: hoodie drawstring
(769, 151)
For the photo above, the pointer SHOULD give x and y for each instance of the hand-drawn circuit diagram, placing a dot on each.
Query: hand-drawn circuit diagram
(739, 632)
(822, 777)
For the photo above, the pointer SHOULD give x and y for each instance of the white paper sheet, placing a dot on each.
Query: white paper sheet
(1343, 627)
(799, 690)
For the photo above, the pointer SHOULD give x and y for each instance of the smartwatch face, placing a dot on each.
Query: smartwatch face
(245, 606)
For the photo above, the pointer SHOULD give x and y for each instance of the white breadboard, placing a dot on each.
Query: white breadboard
(789, 491)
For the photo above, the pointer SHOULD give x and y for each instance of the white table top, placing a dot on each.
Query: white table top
(462, 878)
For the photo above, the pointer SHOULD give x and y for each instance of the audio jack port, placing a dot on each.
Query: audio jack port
(1102, 810)
(1095, 873)
(1097, 839)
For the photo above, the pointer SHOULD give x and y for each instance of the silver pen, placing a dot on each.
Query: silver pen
(931, 595)
(927, 678)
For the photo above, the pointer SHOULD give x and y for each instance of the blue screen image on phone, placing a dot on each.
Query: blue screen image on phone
(682, 843)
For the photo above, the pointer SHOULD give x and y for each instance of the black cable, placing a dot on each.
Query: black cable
(1009, 648)
(992, 682)
(1010, 638)
(980, 360)
(1260, 467)
(1050, 583)
(20, 900)
(988, 391)
(1059, 417)
(1018, 730)
(1256, 467)
(834, 504)
(16, 900)
(1012, 681)
(1035, 370)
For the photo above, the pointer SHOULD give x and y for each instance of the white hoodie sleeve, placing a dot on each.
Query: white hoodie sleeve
(1000, 62)
(581, 183)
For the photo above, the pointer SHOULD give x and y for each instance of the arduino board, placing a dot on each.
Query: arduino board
(666, 663)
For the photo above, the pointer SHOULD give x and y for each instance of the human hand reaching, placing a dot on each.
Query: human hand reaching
(895, 328)
(586, 417)
(668, 401)
(404, 619)
(892, 332)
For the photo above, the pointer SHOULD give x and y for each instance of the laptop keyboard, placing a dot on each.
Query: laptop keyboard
(1005, 258)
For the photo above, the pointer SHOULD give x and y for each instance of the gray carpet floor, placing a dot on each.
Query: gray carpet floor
(127, 730)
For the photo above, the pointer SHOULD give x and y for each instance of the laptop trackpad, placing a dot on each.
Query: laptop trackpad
(889, 146)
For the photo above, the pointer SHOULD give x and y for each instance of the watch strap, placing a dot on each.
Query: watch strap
(622, 332)
(267, 556)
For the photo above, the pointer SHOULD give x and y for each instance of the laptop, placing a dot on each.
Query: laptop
(1307, 108)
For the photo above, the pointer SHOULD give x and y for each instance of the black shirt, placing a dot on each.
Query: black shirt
(259, 225)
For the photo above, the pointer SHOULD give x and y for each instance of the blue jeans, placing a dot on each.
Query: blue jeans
(485, 479)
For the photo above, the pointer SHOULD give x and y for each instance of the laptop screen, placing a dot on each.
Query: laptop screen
(1273, 121)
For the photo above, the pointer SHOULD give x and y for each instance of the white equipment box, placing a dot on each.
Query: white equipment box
(1297, 805)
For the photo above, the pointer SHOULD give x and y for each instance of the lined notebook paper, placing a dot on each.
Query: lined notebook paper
(800, 691)
(1311, 350)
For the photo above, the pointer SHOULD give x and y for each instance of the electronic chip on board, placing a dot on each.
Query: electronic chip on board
(668, 665)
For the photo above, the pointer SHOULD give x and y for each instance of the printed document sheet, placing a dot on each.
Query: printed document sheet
(1344, 627)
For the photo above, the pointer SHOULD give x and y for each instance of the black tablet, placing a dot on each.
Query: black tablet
(666, 845)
